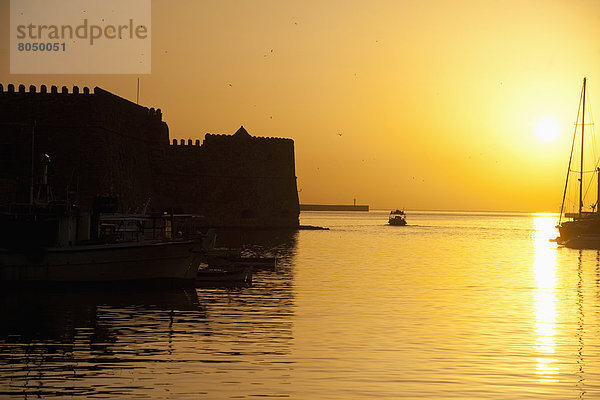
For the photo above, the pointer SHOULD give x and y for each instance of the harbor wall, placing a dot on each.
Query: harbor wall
(102, 144)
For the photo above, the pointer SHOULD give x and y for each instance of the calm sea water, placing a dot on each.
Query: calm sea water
(454, 306)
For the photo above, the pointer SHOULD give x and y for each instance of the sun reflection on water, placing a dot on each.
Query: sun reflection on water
(545, 298)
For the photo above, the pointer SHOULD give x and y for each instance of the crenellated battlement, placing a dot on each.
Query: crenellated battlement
(225, 139)
(240, 138)
(183, 143)
(228, 138)
(43, 90)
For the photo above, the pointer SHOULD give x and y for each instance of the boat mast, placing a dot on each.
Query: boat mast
(581, 164)
(562, 205)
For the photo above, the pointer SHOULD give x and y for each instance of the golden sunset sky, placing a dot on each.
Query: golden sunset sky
(436, 102)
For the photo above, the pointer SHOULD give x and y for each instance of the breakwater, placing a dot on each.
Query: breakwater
(333, 207)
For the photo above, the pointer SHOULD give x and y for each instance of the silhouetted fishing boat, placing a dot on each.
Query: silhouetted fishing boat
(57, 242)
(397, 218)
(132, 261)
(584, 225)
(116, 257)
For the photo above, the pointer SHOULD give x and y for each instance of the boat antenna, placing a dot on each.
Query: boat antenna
(598, 191)
(562, 206)
(32, 161)
(581, 166)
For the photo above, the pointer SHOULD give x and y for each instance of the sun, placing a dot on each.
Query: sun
(547, 129)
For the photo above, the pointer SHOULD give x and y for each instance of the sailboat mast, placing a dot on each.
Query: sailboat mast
(581, 164)
(562, 205)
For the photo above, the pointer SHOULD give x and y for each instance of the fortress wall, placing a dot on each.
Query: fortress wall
(98, 143)
(101, 144)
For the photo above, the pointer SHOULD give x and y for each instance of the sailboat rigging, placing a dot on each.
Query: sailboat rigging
(584, 226)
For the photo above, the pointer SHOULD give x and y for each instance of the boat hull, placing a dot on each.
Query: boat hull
(175, 260)
(585, 226)
(584, 242)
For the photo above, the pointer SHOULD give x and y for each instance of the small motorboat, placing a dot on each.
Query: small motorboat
(397, 218)
(215, 276)
(233, 257)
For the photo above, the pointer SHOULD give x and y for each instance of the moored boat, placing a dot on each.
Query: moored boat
(57, 242)
(223, 276)
(584, 223)
(110, 262)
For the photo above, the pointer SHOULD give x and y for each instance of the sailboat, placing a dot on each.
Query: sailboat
(581, 229)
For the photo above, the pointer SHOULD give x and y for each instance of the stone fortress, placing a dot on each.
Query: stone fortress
(100, 144)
